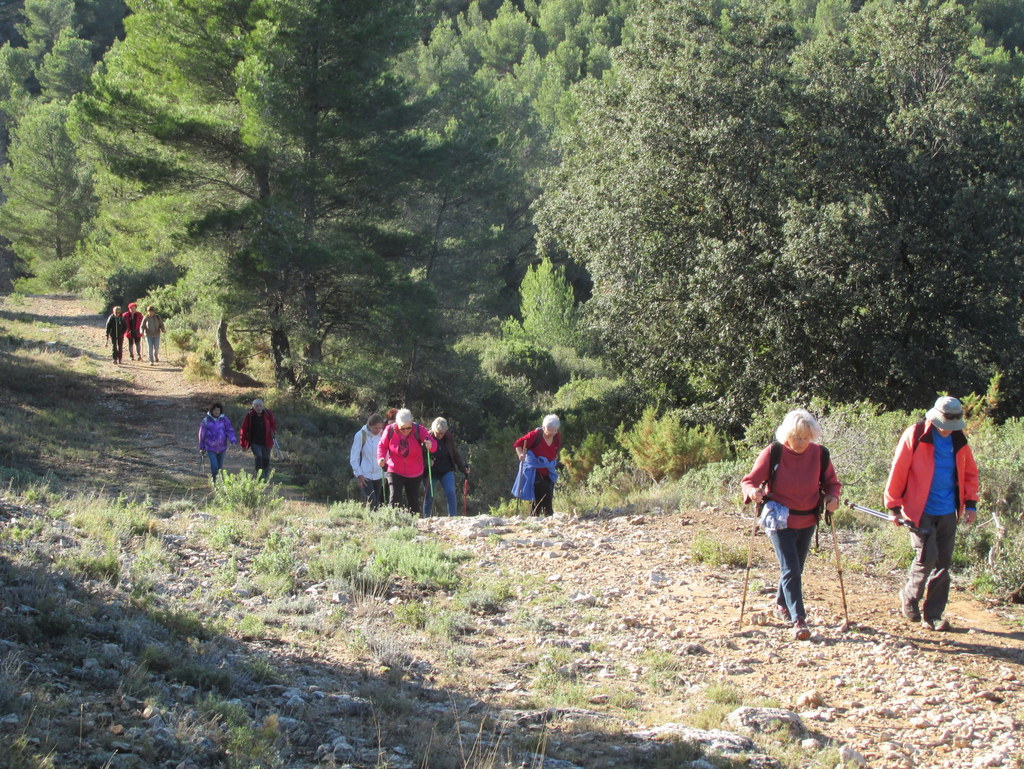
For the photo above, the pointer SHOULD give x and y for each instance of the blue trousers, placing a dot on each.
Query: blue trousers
(791, 548)
(216, 461)
(448, 484)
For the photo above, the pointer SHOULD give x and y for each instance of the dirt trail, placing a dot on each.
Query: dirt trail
(154, 403)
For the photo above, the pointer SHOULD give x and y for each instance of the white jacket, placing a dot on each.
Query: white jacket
(363, 456)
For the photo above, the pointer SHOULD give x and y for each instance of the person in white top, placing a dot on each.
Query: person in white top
(363, 458)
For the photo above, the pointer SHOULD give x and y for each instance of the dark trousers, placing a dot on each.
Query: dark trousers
(400, 487)
(261, 455)
(543, 492)
(117, 347)
(791, 548)
(134, 346)
(929, 573)
(371, 492)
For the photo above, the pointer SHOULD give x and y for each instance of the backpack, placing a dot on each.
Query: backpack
(775, 456)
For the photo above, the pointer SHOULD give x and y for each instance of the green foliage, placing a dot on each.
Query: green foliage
(547, 306)
(518, 358)
(246, 494)
(710, 550)
(821, 232)
(425, 563)
(580, 462)
(664, 447)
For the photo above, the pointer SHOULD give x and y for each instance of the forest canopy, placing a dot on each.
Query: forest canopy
(496, 208)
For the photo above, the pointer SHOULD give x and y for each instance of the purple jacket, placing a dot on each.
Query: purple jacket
(215, 432)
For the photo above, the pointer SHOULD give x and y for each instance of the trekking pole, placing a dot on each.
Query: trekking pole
(750, 559)
(430, 476)
(877, 514)
(839, 569)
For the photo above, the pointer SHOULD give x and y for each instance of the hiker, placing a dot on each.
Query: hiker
(133, 330)
(363, 458)
(115, 333)
(443, 464)
(215, 432)
(257, 433)
(152, 328)
(933, 483)
(799, 477)
(400, 452)
(538, 455)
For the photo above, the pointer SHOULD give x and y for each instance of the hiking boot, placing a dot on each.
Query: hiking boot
(911, 609)
(940, 625)
(782, 614)
(800, 630)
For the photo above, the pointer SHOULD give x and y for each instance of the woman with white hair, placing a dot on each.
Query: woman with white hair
(257, 433)
(443, 464)
(796, 473)
(400, 455)
(538, 456)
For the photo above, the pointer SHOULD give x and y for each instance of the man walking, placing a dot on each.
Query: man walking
(933, 482)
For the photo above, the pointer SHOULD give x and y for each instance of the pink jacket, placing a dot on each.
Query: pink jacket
(404, 454)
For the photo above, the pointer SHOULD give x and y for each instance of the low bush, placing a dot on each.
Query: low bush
(664, 447)
(245, 494)
(706, 548)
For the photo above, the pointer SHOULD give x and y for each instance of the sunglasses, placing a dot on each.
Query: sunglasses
(404, 429)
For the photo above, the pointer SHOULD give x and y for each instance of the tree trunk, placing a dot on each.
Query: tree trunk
(225, 366)
(284, 370)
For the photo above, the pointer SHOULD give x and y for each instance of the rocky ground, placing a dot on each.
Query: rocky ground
(603, 643)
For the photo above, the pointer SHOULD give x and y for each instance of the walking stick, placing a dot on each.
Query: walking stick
(750, 558)
(839, 569)
(430, 476)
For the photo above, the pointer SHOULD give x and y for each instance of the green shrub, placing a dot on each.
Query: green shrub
(245, 494)
(425, 563)
(277, 558)
(714, 483)
(580, 462)
(665, 448)
(708, 549)
(520, 358)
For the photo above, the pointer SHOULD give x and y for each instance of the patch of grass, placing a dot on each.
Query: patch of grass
(252, 627)
(225, 533)
(414, 614)
(723, 694)
(710, 716)
(484, 598)
(339, 564)
(89, 565)
(711, 551)
(262, 670)
(425, 563)
(183, 624)
(448, 625)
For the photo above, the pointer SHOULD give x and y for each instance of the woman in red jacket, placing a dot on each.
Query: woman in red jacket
(257, 433)
(933, 482)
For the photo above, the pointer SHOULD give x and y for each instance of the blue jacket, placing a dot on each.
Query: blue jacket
(523, 487)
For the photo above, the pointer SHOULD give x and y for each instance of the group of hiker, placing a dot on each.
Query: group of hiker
(398, 451)
(932, 485)
(132, 326)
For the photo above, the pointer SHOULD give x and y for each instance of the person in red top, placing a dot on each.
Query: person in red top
(538, 455)
(934, 483)
(133, 330)
(800, 481)
(257, 433)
